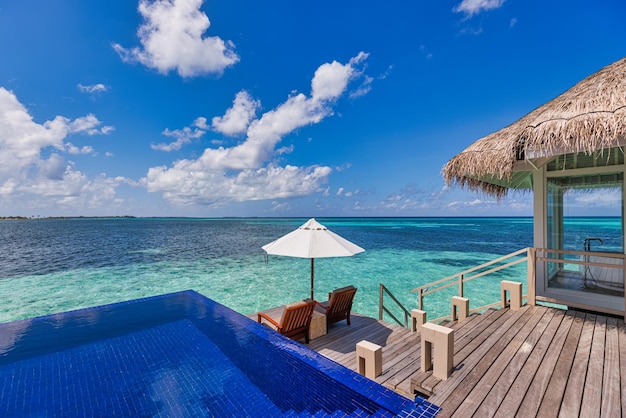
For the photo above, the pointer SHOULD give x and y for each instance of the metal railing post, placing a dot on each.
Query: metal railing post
(532, 276)
(461, 285)
(380, 302)
(420, 299)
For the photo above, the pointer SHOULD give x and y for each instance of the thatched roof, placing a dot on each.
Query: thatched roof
(588, 117)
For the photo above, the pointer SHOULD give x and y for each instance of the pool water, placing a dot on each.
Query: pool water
(180, 354)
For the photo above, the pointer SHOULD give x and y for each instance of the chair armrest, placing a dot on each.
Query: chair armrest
(269, 319)
(321, 305)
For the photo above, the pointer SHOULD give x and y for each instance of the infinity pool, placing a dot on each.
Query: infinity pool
(179, 354)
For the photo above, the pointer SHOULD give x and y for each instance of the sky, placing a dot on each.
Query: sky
(247, 108)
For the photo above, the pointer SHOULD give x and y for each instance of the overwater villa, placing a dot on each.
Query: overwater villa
(571, 145)
(525, 359)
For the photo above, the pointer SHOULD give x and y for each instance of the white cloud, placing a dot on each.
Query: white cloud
(365, 88)
(474, 7)
(72, 149)
(238, 117)
(183, 185)
(596, 198)
(248, 171)
(200, 122)
(172, 38)
(74, 190)
(93, 88)
(90, 125)
(23, 170)
(183, 137)
(513, 22)
(107, 130)
(53, 168)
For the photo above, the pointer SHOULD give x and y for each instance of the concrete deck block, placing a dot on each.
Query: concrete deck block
(515, 294)
(369, 359)
(317, 328)
(418, 318)
(460, 308)
(443, 340)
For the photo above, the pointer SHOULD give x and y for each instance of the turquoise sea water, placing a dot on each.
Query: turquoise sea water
(49, 266)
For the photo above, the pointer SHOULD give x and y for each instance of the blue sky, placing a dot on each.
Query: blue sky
(242, 108)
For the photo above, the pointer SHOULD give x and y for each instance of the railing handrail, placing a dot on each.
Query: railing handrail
(463, 273)
(576, 252)
(532, 256)
(460, 279)
(382, 308)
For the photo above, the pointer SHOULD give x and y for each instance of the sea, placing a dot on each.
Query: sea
(56, 265)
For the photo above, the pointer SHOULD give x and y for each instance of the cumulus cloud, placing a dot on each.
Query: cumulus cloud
(183, 137)
(93, 88)
(88, 124)
(172, 38)
(238, 117)
(23, 169)
(474, 7)
(248, 171)
(72, 149)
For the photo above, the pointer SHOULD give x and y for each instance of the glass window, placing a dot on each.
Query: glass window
(584, 214)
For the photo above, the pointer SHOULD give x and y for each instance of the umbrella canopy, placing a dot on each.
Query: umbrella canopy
(590, 116)
(312, 240)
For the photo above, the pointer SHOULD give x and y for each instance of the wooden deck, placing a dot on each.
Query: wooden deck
(537, 361)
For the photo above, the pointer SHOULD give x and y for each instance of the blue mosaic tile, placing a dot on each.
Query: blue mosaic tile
(177, 355)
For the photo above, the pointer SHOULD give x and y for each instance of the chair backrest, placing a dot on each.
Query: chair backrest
(297, 316)
(340, 300)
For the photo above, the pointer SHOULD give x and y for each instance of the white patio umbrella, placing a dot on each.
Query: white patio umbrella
(312, 240)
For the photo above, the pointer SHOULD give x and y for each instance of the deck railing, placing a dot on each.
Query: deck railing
(525, 255)
(596, 269)
(383, 309)
(612, 262)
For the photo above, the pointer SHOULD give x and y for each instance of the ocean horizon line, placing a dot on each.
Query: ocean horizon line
(19, 217)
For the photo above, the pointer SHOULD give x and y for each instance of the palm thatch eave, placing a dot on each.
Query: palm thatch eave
(588, 117)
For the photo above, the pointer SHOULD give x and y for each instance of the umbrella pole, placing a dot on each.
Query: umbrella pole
(312, 276)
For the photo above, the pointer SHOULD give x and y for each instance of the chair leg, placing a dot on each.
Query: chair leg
(348, 319)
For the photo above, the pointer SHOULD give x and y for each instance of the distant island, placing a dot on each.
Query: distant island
(26, 218)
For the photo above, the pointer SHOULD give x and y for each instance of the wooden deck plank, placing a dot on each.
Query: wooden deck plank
(342, 338)
(553, 398)
(539, 385)
(621, 326)
(372, 333)
(506, 380)
(469, 400)
(477, 349)
(570, 407)
(397, 361)
(592, 397)
(538, 361)
(400, 377)
(514, 397)
(611, 398)
(423, 382)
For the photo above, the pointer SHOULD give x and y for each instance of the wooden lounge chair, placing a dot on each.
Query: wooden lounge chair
(338, 306)
(294, 322)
